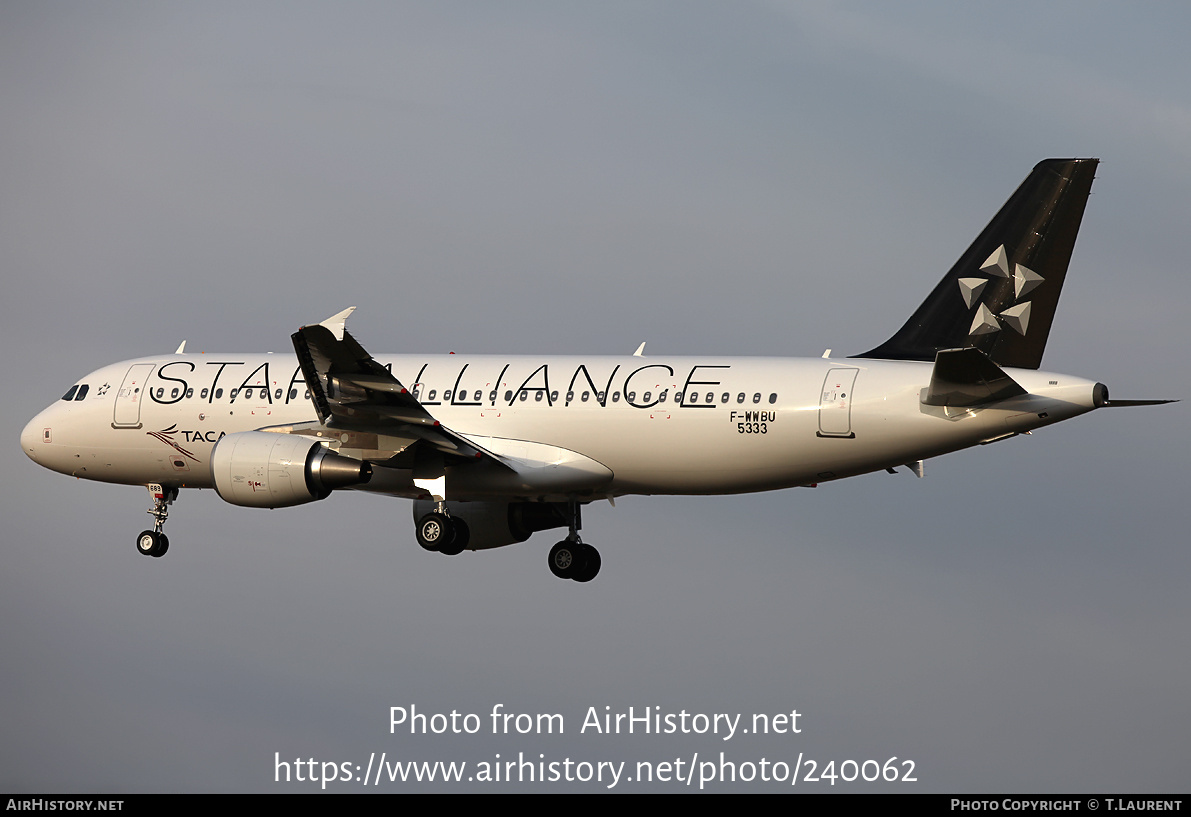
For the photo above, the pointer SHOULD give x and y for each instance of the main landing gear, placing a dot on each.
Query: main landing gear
(439, 531)
(571, 558)
(154, 542)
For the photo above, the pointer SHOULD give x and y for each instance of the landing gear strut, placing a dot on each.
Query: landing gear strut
(154, 542)
(571, 558)
(439, 531)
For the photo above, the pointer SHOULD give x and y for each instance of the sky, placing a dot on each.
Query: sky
(753, 178)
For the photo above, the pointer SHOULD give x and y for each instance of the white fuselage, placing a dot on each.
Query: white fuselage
(657, 425)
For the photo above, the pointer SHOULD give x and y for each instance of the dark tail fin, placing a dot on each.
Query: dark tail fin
(1000, 296)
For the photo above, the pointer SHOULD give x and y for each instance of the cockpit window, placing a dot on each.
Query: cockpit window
(82, 392)
(70, 394)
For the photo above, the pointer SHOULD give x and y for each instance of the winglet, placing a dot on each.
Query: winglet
(181, 348)
(640, 350)
(338, 322)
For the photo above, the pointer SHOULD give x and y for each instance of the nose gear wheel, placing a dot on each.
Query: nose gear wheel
(154, 542)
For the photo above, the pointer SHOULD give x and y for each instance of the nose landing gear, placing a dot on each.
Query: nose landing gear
(154, 542)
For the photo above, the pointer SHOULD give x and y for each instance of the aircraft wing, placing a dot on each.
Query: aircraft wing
(351, 391)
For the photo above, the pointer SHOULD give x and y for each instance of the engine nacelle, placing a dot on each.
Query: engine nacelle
(496, 524)
(263, 469)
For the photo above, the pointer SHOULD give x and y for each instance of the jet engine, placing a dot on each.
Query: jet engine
(264, 469)
(496, 524)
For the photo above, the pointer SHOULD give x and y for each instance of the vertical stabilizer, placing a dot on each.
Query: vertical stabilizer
(1000, 296)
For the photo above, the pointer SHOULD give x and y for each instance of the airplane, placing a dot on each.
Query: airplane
(492, 449)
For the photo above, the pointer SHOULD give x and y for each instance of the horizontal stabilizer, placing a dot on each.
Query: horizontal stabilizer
(1125, 403)
(966, 377)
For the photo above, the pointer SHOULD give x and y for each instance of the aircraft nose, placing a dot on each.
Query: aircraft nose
(31, 438)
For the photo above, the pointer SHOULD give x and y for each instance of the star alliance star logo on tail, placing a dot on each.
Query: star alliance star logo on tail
(1016, 317)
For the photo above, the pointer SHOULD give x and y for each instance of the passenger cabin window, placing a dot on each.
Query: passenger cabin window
(70, 394)
(218, 394)
(724, 397)
(570, 396)
(772, 398)
(203, 394)
(491, 396)
(277, 394)
(585, 396)
(446, 395)
(630, 395)
(600, 396)
(553, 396)
(740, 397)
(524, 395)
(757, 397)
(537, 395)
(293, 394)
(189, 393)
(479, 396)
(509, 396)
(615, 397)
(431, 395)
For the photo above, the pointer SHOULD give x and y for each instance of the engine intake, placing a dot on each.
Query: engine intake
(263, 469)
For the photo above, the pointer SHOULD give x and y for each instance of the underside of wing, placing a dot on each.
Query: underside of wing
(352, 392)
(368, 414)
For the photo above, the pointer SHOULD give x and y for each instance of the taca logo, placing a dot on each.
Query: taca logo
(166, 435)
